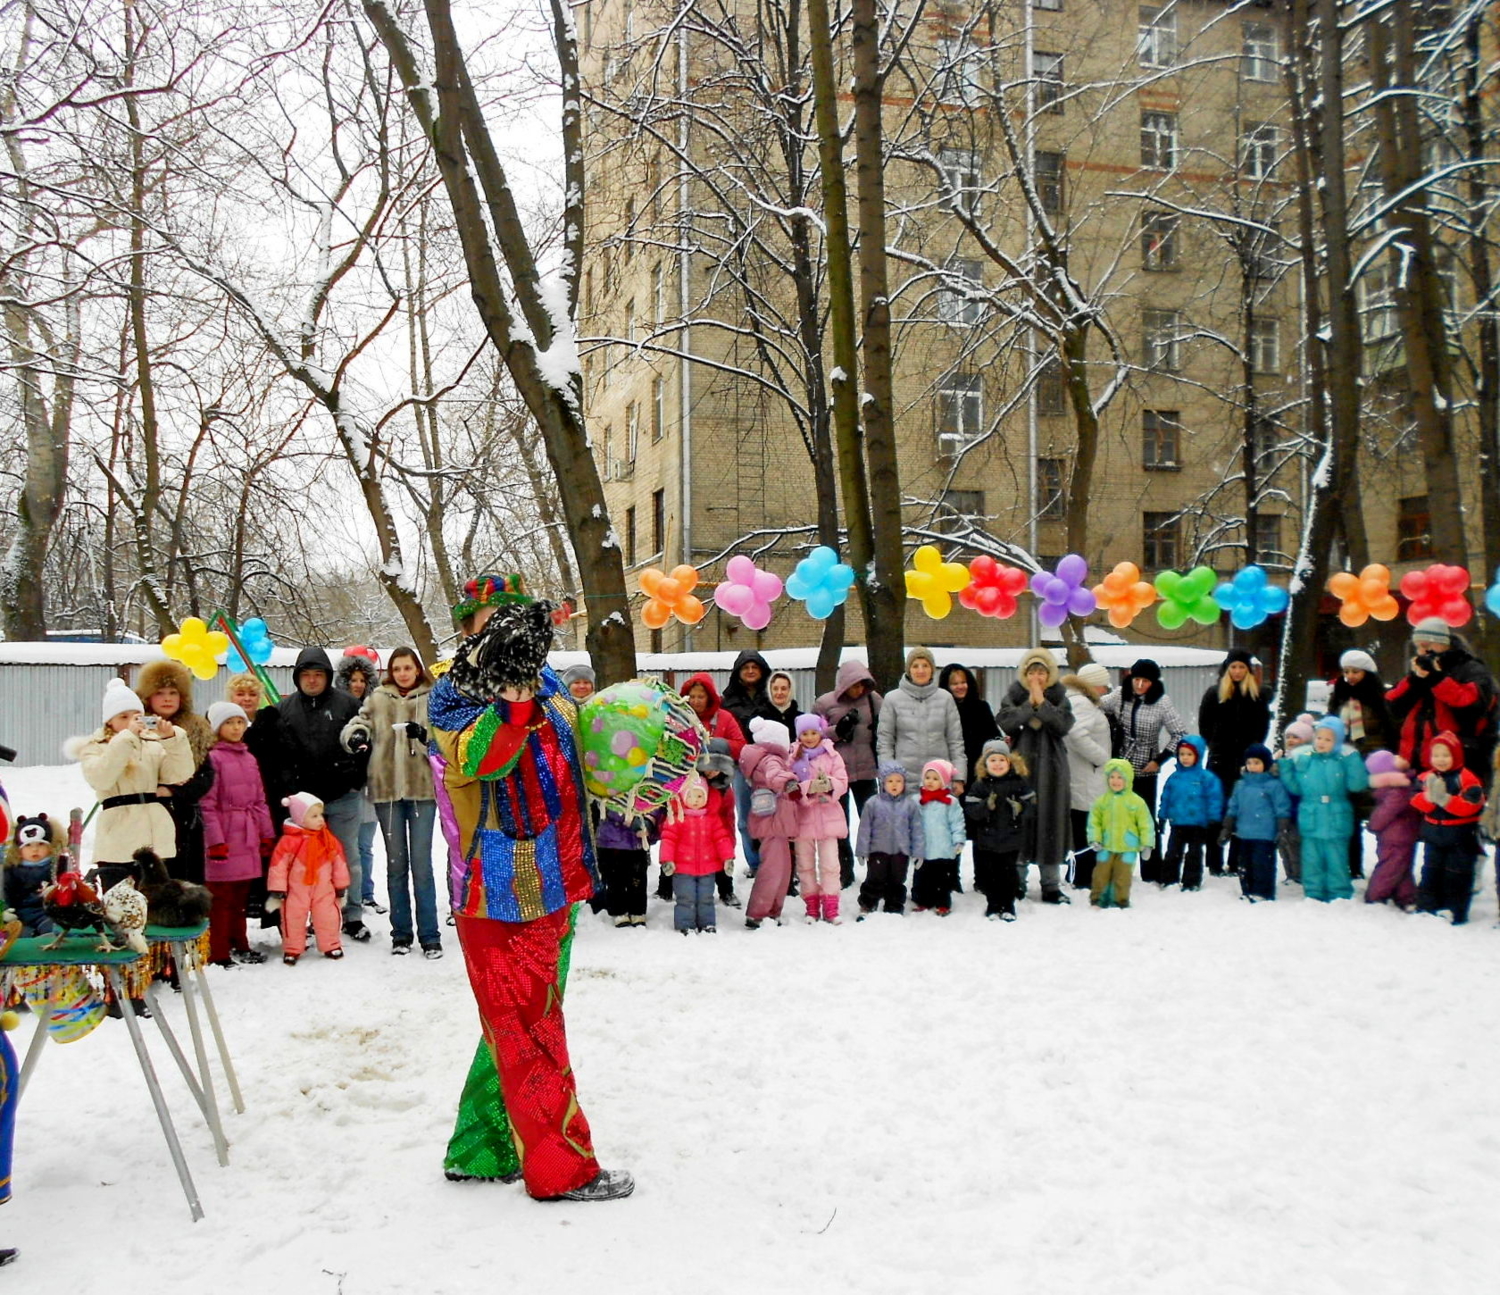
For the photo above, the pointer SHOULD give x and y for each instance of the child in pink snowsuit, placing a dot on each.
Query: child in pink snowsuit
(696, 846)
(774, 792)
(309, 874)
(824, 778)
(1396, 825)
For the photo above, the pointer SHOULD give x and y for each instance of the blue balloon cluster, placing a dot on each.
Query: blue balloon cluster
(257, 640)
(1492, 595)
(1250, 598)
(820, 581)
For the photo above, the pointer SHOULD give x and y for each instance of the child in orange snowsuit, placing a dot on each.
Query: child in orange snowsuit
(308, 875)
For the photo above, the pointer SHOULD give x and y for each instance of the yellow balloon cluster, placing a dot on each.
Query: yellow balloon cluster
(933, 582)
(196, 646)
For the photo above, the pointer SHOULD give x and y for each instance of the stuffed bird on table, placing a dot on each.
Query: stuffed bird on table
(73, 905)
(125, 910)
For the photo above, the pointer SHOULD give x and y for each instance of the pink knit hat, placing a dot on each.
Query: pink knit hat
(942, 768)
(298, 805)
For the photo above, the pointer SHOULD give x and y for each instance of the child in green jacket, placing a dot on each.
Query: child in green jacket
(1121, 831)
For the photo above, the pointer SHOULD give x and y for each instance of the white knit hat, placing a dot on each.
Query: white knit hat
(221, 712)
(767, 732)
(1094, 674)
(1354, 659)
(118, 698)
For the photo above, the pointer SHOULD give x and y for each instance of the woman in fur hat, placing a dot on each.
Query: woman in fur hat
(166, 691)
(1036, 719)
(512, 801)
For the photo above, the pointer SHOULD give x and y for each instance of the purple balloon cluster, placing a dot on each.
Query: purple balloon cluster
(1062, 592)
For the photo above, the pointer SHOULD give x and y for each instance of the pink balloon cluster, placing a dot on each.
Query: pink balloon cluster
(1062, 592)
(748, 592)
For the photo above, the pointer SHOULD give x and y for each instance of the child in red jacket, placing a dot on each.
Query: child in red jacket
(309, 875)
(1450, 799)
(695, 848)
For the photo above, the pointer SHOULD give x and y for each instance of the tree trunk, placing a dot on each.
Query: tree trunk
(450, 114)
(885, 594)
(1419, 294)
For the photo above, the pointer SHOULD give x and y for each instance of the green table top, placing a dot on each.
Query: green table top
(75, 951)
(184, 933)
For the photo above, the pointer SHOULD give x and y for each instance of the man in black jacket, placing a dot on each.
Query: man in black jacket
(312, 760)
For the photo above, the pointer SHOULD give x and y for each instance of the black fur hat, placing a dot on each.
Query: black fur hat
(509, 652)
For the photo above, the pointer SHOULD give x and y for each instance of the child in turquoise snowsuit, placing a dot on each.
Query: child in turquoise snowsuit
(1324, 781)
(1120, 831)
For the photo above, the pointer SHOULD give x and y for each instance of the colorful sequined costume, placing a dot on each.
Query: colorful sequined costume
(10, 1078)
(511, 802)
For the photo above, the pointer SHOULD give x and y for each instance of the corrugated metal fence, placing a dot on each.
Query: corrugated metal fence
(43, 705)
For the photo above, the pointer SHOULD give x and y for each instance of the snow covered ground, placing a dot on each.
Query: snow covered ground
(1196, 1095)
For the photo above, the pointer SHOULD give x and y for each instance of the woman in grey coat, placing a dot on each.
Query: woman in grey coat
(1036, 719)
(920, 722)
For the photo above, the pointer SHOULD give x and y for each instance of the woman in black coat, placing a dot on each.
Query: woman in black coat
(974, 714)
(1233, 715)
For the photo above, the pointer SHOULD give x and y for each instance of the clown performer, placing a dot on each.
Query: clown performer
(512, 803)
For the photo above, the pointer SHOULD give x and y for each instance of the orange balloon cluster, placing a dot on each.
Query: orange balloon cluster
(670, 595)
(1365, 595)
(1124, 595)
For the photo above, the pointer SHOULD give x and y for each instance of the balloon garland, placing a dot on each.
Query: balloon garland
(670, 595)
(1187, 597)
(1124, 595)
(821, 582)
(933, 582)
(196, 646)
(1062, 592)
(1365, 595)
(748, 592)
(1440, 591)
(1250, 598)
(993, 588)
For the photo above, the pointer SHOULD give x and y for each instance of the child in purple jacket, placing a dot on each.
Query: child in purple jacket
(1397, 826)
(890, 839)
(237, 832)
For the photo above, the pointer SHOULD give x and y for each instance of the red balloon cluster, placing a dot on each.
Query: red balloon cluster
(359, 649)
(992, 588)
(1440, 591)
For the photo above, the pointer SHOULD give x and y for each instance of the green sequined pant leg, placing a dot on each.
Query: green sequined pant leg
(481, 1145)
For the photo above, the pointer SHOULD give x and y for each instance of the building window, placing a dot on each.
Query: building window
(609, 444)
(656, 640)
(1156, 44)
(960, 411)
(1267, 537)
(658, 295)
(1051, 390)
(586, 24)
(588, 292)
(1049, 81)
(1161, 440)
(1054, 6)
(960, 509)
(1265, 346)
(1051, 503)
(1378, 318)
(659, 521)
(630, 537)
(1261, 53)
(1160, 340)
(1161, 535)
(632, 429)
(960, 176)
(630, 320)
(1049, 182)
(958, 70)
(658, 408)
(1258, 150)
(1265, 440)
(1159, 140)
(1159, 241)
(959, 302)
(1413, 529)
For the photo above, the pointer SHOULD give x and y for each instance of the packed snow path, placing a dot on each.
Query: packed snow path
(1195, 1095)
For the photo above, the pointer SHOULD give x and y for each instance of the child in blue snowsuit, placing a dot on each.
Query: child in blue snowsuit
(1260, 810)
(1325, 781)
(1192, 801)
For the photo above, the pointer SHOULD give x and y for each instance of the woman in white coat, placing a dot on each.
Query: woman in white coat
(132, 765)
(1089, 745)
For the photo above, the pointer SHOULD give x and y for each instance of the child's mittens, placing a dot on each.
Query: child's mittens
(273, 900)
(1437, 790)
(821, 785)
(668, 868)
(220, 851)
(339, 895)
(729, 866)
(794, 792)
(990, 802)
(1015, 806)
(1226, 833)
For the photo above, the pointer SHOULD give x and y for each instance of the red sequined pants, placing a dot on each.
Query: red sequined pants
(513, 972)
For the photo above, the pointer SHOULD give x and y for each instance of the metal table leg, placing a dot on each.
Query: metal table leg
(185, 970)
(163, 1116)
(203, 1093)
(33, 1050)
(213, 1023)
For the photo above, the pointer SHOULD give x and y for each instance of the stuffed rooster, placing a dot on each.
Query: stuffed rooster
(125, 911)
(73, 905)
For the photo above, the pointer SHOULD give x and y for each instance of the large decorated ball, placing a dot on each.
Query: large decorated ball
(637, 740)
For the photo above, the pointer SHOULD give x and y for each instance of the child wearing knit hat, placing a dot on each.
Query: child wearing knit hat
(1326, 782)
(996, 804)
(936, 877)
(766, 763)
(309, 876)
(823, 777)
(237, 834)
(1451, 800)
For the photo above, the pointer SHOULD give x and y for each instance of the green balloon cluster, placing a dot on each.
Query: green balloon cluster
(1187, 597)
